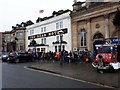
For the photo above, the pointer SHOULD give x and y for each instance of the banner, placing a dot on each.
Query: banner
(114, 40)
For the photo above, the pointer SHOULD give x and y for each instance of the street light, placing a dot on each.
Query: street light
(61, 36)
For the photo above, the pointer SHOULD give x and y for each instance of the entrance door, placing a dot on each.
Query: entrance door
(98, 40)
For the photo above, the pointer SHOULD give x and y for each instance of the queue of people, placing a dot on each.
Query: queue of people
(64, 56)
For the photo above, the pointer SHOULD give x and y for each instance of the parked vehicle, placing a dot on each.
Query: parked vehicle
(4, 56)
(106, 58)
(20, 57)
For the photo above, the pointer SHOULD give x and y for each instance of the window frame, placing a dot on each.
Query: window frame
(61, 24)
(31, 31)
(83, 38)
(57, 25)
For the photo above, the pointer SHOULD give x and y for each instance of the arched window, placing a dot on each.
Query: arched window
(83, 37)
(98, 35)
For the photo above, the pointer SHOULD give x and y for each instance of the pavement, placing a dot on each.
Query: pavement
(81, 71)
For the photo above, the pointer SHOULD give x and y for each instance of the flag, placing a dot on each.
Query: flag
(41, 11)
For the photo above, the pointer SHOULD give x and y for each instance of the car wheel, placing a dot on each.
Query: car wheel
(17, 60)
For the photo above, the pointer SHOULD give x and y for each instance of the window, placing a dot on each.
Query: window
(7, 38)
(43, 41)
(31, 31)
(21, 46)
(61, 37)
(44, 29)
(19, 35)
(61, 24)
(57, 25)
(41, 29)
(57, 38)
(83, 38)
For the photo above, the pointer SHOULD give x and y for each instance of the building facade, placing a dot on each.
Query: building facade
(15, 39)
(92, 23)
(6, 40)
(50, 33)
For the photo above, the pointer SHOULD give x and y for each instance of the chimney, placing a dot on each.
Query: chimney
(77, 5)
(75, 1)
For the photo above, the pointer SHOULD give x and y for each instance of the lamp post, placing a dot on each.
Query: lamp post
(61, 52)
(33, 43)
(61, 36)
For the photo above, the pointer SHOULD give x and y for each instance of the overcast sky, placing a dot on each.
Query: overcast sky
(14, 12)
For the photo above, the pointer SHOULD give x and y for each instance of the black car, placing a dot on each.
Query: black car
(20, 57)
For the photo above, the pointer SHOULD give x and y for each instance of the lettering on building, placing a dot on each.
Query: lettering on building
(48, 34)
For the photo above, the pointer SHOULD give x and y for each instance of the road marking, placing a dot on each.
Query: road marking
(70, 78)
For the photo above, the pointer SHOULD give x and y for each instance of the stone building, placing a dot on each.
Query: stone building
(6, 36)
(92, 23)
(15, 39)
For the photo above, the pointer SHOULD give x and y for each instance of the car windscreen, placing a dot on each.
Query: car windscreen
(106, 49)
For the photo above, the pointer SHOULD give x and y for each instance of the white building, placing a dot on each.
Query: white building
(46, 32)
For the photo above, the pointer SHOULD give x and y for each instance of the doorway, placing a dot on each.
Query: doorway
(98, 40)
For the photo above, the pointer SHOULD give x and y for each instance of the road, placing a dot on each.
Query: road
(16, 76)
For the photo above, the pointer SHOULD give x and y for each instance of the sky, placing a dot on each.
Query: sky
(14, 12)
